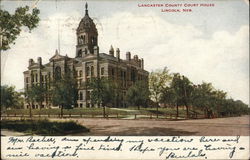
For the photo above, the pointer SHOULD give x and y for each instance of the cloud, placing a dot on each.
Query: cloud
(220, 58)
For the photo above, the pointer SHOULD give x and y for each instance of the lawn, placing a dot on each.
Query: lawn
(43, 127)
(99, 111)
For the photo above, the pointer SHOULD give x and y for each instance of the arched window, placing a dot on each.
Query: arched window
(80, 73)
(57, 73)
(85, 50)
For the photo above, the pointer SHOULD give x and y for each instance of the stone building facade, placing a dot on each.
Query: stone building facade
(88, 63)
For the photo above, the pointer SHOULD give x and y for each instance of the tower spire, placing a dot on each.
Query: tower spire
(86, 9)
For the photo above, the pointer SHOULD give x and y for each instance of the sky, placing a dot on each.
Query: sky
(209, 44)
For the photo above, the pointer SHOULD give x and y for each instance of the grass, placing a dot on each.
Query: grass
(56, 111)
(43, 127)
(99, 111)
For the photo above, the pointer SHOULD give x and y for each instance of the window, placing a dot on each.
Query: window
(79, 53)
(58, 73)
(80, 73)
(121, 74)
(87, 71)
(27, 79)
(88, 95)
(36, 77)
(102, 71)
(92, 70)
(81, 96)
(32, 78)
(112, 71)
(84, 40)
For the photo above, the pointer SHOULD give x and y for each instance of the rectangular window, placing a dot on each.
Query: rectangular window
(102, 71)
(112, 71)
(88, 95)
(87, 71)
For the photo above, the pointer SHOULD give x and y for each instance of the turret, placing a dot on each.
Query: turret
(87, 36)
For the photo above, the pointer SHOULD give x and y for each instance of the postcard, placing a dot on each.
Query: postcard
(112, 79)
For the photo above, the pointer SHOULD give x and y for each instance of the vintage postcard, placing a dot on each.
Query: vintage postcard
(112, 79)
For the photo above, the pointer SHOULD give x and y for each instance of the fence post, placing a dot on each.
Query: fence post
(39, 115)
(15, 114)
(69, 115)
(150, 116)
(117, 115)
(48, 115)
(135, 116)
(170, 116)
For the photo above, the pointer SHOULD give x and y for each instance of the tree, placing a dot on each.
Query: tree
(10, 25)
(158, 80)
(36, 93)
(168, 96)
(103, 91)
(138, 94)
(64, 92)
(10, 98)
(183, 89)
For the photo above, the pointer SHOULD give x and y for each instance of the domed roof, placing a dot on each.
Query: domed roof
(86, 23)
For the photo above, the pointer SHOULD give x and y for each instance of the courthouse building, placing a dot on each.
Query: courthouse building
(88, 63)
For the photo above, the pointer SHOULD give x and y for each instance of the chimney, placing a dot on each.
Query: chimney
(39, 61)
(128, 56)
(139, 61)
(135, 57)
(118, 53)
(142, 63)
(111, 51)
(31, 61)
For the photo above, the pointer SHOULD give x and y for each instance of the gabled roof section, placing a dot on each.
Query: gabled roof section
(57, 56)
